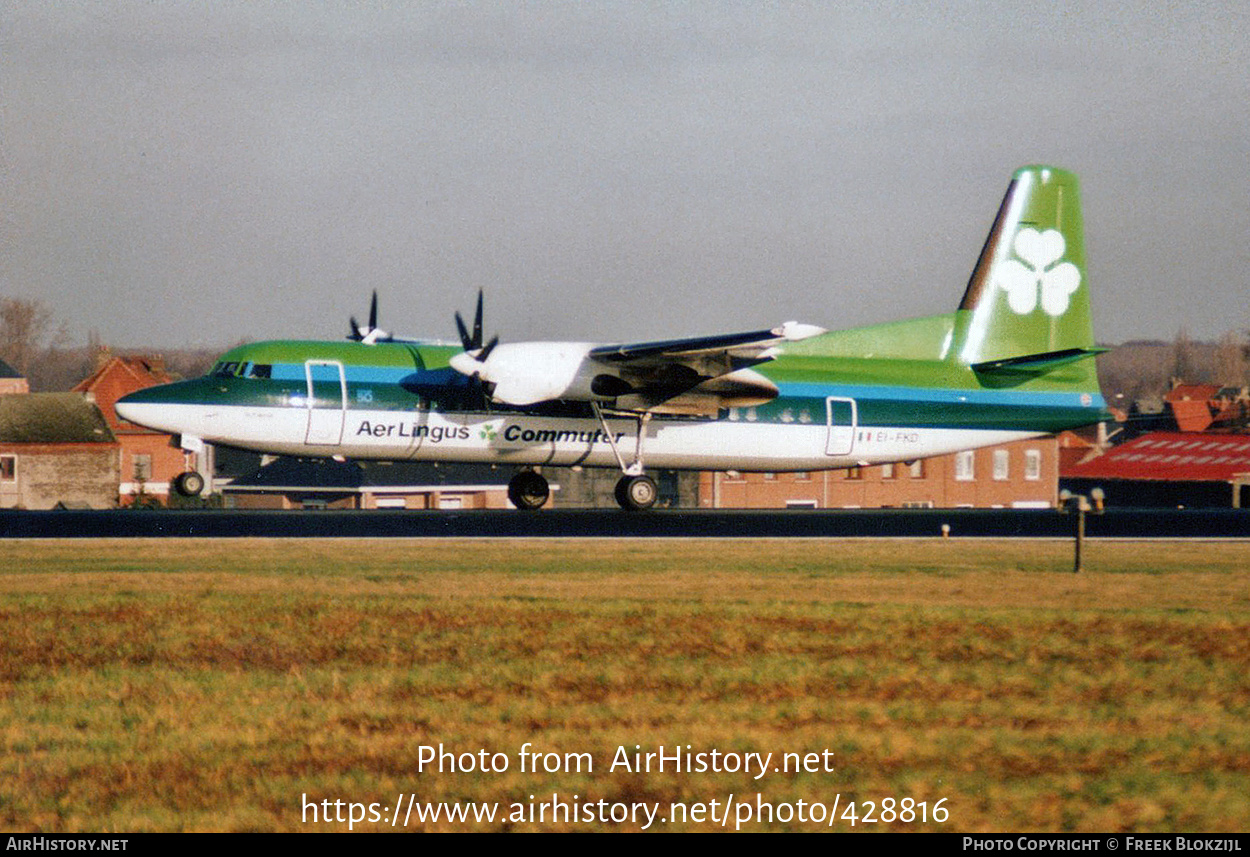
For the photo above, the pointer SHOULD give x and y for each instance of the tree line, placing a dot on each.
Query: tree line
(39, 348)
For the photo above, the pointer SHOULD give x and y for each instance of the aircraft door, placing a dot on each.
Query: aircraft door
(842, 418)
(327, 402)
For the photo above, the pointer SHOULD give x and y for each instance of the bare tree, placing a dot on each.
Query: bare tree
(28, 331)
(1184, 359)
(1232, 360)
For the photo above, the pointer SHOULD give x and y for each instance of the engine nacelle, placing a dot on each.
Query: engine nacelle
(525, 373)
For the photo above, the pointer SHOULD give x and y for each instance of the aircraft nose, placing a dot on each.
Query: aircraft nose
(145, 407)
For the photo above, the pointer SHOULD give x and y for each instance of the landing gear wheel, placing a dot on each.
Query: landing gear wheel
(636, 493)
(528, 490)
(189, 484)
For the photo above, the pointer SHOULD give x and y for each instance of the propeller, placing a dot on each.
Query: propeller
(372, 333)
(473, 342)
(472, 361)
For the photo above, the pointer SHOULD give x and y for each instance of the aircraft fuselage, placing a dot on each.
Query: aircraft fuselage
(392, 401)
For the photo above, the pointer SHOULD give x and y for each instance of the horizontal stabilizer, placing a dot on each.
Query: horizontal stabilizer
(1036, 363)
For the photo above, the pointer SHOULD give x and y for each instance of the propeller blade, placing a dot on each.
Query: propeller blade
(464, 333)
(371, 334)
(477, 322)
(490, 346)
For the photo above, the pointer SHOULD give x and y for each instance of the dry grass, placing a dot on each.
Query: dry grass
(207, 685)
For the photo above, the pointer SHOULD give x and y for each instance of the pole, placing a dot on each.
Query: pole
(1080, 535)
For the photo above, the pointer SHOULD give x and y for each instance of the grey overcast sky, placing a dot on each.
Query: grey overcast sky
(202, 173)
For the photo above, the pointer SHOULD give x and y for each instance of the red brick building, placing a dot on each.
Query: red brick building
(1024, 474)
(150, 461)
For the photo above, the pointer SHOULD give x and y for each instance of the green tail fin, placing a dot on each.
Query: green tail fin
(1026, 308)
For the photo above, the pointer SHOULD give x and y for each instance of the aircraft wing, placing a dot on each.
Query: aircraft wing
(705, 372)
(751, 347)
(685, 372)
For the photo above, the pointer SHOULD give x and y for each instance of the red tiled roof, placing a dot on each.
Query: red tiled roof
(1191, 416)
(116, 378)
(1192, 392)
(1179, 456)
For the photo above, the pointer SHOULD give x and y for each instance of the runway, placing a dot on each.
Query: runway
(877, 523)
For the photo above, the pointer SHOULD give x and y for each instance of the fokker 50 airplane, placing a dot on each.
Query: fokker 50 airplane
(1013, 361)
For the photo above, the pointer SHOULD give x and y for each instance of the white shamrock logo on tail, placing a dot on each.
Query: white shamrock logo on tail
(1024, 281)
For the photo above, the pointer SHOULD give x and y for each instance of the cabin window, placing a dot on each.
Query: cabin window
(260, 370)
(8, 468)
(1001, 471)
(965, 466)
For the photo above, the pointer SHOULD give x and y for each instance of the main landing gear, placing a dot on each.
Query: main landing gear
(635, 491)
(528, 490)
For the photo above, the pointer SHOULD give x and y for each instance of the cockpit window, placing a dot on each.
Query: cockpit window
(242, 369)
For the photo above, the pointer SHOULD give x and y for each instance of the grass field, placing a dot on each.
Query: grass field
(218, 685)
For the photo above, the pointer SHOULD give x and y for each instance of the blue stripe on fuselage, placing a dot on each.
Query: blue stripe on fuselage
(943, 395)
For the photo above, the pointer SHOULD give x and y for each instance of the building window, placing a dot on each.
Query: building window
(916, 470)
(1001, 470)
(802, 476)
(8, 468)
(887, 471)
(854, 473)
(1033, 464)
(965, 471)
(143, 468)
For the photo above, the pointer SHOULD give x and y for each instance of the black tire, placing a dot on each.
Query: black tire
(189, 484)
(528, 490)
(636, 493)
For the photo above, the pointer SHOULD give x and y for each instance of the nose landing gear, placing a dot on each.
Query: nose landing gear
(189, 484)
